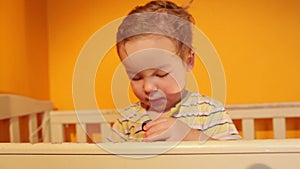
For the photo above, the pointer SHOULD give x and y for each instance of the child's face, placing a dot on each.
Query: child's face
(157, 76)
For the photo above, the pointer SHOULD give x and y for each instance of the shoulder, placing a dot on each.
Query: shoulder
(197, 99)
(132, 112)
(197, 104)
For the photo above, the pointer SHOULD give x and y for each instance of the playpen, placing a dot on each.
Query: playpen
(49, 147)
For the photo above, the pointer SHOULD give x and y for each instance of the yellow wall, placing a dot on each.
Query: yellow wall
(24, 48)
(256, 40)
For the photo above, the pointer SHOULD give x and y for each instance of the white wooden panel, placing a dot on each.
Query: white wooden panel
(14, 130)
(253, 154)
(215, 161)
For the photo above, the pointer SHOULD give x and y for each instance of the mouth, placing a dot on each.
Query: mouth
(157, 101)
(156, 104)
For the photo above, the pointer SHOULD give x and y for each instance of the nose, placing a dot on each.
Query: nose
(149, 85)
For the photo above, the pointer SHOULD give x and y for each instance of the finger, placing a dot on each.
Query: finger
(159, 136)
(156, 130)
(154, 123)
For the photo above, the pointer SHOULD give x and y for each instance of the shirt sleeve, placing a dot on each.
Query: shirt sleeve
(218, 125)
(117, 133)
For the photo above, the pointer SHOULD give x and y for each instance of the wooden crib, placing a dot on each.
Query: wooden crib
(52, 150)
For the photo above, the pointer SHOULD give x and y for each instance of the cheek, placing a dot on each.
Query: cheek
(169, 86)
(137, 89)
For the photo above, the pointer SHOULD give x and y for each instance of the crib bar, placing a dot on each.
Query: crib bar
(14, 130)
(279, 128)
(105, 131)
(46, 127)
(33, 134)
(57, 134)
(81, 133)
(248, 129)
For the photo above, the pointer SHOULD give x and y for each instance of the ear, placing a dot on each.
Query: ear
(190, 60)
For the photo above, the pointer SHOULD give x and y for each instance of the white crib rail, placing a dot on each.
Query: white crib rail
(81, 119)
(247, 113)
(278, 112)
(14, 106)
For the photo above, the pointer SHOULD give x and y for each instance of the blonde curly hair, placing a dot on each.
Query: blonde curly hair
(158, 18)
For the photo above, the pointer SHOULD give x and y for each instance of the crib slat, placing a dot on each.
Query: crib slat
(57, 134)
(33, 137)
(80, 133)
(279, 128)
(248, 128)
(14, 130)
(46, 127)
(105, 131)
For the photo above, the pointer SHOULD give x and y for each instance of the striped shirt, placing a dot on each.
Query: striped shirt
(197, 111)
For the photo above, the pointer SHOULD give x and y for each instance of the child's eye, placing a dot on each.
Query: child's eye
(136, 78)
(162, 75)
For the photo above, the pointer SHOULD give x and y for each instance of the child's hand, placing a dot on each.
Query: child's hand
(166, 129)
